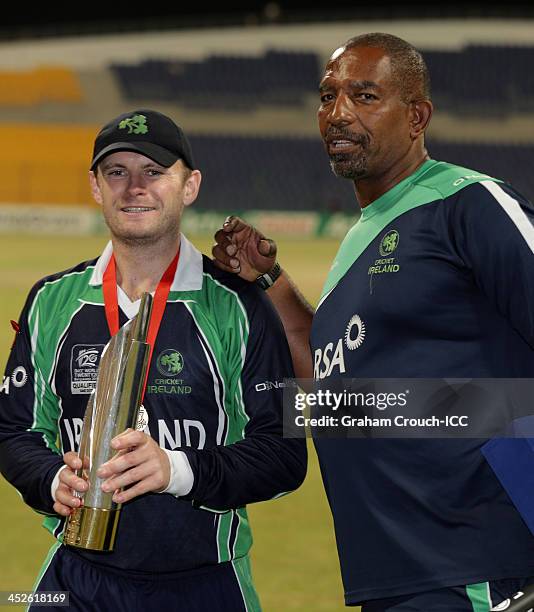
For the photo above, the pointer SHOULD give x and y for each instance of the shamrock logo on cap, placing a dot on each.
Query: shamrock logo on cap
(135, 124)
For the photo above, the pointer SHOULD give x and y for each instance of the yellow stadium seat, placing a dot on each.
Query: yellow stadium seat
(43, 84)
(45, 164)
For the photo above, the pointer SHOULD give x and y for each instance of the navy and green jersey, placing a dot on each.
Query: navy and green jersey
(214, 392)
(435, 280)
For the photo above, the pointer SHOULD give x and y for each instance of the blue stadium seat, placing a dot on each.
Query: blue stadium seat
(223, 82)
(243, 173)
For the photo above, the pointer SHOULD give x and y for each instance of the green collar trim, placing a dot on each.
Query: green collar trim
(432, 181)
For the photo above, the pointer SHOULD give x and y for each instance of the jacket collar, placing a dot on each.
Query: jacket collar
(188, 276)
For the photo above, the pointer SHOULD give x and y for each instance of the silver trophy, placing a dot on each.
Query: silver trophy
(112, 407)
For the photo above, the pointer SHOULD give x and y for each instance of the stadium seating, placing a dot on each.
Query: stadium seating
(49, 164)
(478, 79)
(46, 161)
(494, 80)
(293, 173)
(43, 84)
(223, 81)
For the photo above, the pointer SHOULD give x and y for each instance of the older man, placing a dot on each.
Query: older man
(435, 280)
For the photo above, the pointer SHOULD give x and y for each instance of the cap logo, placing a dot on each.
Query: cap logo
(135, 124)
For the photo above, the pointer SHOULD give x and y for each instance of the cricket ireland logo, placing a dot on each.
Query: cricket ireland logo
(170, 362)
(389, 243)
(136, 124)
(386, 263)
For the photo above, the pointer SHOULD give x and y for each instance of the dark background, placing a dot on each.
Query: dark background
(47, 19)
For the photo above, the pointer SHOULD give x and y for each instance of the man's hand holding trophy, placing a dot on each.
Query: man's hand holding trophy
(110, 445)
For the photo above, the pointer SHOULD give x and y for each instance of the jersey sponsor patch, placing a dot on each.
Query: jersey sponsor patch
(331, 358)
(84, 362)
(18, 379)
(19, 376)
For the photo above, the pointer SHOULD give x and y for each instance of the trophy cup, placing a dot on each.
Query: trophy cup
(112, 407)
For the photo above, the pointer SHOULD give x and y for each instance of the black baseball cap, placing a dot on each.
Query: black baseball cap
(147, 132)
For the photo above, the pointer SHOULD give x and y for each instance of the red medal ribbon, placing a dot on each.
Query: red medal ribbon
(111, 303)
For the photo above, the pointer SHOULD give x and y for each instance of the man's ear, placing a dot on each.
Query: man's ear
(420, 114)
(192, 187)
(95, 189)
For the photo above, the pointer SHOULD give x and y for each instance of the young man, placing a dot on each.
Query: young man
(434, 281)
(213, 439)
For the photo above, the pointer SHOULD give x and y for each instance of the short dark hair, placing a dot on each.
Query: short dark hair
(409, 68)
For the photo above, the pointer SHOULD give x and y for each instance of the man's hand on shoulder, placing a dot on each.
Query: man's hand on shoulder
(242, 249)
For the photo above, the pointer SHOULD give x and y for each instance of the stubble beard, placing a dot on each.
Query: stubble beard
(166, 227)
(351, 166)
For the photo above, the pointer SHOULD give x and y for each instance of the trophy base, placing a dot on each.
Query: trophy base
(92, 528)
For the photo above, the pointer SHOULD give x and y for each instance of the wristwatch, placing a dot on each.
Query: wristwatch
(268, 279)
